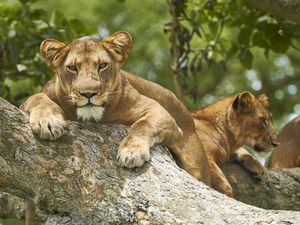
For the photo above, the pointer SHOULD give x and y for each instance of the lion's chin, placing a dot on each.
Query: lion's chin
(90, 112)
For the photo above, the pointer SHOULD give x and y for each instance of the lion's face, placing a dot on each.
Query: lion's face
(255, 121)
(88, 70)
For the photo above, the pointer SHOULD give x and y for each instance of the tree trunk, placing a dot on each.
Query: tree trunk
(281, 9)
(75, 180)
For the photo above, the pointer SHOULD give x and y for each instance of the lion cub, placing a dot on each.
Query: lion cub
(225, 126)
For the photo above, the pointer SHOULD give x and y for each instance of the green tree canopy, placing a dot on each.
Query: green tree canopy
(221, 47)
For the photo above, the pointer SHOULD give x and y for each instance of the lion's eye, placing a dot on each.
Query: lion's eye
(264, 120)
(102, 66)
(72, 68)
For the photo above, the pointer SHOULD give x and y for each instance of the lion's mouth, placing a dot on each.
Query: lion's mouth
(88, 105)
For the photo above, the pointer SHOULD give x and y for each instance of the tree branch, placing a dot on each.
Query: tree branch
(75, 180)
(11, 207)
(281, 9)
(175, 49)
(279, 191)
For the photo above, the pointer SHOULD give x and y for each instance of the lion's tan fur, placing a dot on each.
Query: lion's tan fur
(225, 126)
(88, 71)
(287, 154)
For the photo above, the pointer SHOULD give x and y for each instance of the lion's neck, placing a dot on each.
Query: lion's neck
(234, 128)
(217, 119)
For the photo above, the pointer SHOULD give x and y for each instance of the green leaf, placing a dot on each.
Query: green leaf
(279, 41)
(232, 51)
(246, 58)
(258, 39)
(244, 36)
(57, 19)
(213, 27)
(78, 26)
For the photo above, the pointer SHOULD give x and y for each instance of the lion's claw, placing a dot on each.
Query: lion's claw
(133, 155)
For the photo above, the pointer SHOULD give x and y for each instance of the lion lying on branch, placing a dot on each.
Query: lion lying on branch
(88, 84)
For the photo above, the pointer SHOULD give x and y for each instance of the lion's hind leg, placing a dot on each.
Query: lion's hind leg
(219, 180)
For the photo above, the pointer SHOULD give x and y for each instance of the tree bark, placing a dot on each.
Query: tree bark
(75, 180)
(280, 191)
(281, 9)
(11, 206)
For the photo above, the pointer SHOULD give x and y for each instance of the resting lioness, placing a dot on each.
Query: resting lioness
(228, 124)
(287, 154)
(89, 85)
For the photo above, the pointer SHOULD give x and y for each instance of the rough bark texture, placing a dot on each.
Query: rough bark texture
(280, 191)
(75, 180)
(281, 9)
(11, 206)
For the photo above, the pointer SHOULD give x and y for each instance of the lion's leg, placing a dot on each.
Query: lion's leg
(155, 126)
(192, 157)
(46, 117)
(243, 157)
(219, 180)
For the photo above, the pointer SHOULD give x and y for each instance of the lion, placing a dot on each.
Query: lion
(225, 126)
(89, 85)
(287, 154)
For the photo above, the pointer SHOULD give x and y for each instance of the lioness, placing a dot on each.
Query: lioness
(287, 154)
(89, 85)
(225, 126)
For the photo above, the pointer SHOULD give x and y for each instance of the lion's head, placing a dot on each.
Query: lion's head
(88, 69)
(254, 121)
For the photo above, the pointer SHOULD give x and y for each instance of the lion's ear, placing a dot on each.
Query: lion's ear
(264, 100)
(243, 102)
(49, 50)
(120, 44)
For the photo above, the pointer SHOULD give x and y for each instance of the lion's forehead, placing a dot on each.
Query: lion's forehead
(85, 45)
(261, 109)
(87, 51)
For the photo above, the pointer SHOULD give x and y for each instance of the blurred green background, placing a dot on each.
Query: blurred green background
(225, 47)
(228, 51)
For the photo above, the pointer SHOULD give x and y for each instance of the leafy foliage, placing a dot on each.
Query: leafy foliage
(23, 27)
(218, 41)
(212, 36)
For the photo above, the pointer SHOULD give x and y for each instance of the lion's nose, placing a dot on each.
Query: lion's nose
(88, 94)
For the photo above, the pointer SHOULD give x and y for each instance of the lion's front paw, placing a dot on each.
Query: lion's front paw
(47, 126)
(261, 173)
(133, 152)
